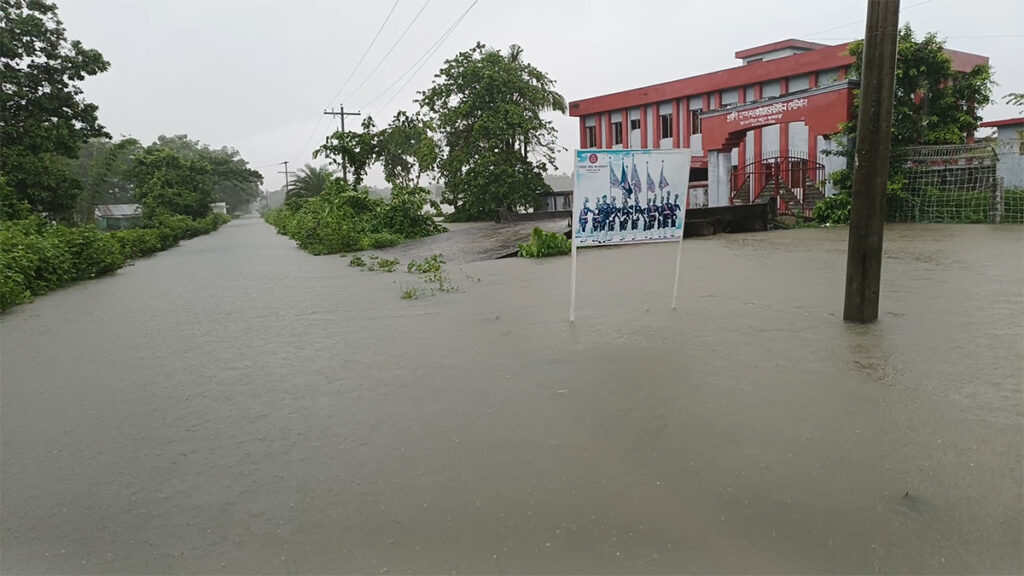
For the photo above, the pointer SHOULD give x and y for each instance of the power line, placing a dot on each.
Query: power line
(365, 52)
(311, 134)
(390, 50)
(422, 61)
(265, 166)
(351, 74)
(862, 20)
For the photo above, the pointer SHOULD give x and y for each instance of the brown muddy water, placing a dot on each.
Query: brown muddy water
(235, 406)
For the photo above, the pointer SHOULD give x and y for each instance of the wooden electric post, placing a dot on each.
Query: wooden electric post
(871, 172)
(341, 114)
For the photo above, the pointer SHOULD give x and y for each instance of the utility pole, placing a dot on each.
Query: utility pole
(285, 177)
(341, 114)
(871, 171)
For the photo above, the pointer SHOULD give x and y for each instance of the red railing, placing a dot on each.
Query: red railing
(785, 177)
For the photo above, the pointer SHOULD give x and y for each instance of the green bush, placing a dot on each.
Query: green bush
(37, 256)
(140, 242)
(92, 252)
(1013, 205)
(341, 219)
(543, 244)
(378, 240)
(834, 209)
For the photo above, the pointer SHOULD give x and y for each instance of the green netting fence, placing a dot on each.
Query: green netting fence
(953, 184)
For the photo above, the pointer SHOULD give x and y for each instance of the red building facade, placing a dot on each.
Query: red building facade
(754, 129)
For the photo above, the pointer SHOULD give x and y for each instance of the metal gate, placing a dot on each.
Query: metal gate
(794, 180)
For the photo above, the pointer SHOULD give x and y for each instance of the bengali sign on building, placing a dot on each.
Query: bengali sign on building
(766, 114)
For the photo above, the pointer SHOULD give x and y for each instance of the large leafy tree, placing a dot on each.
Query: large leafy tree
(43, 117)
(404, 149)
(933, 104)
(309, 181)
(234, 181)
(487, 108)
(102, 166)
(168, 182)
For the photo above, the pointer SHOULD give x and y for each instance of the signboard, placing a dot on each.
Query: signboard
(764, 115)
(627, 196)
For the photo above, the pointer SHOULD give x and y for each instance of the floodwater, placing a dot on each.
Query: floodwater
(235, 406)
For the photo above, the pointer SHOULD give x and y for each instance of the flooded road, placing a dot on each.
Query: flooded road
(235, 406)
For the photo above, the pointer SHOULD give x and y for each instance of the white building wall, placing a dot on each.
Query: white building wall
(651, 119)
(798, 138)
(749, 147)
(1010, 148)
(770, 140)
(770, 89)
(730, 96)
(634, 134)
(774, 54)
(802, 82)
(719, 171)
(832, 163)
(828, 77)
(696, 148)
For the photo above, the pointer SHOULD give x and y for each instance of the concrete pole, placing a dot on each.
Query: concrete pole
(870, 175)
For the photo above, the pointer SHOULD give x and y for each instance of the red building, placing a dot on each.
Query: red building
(755, 130)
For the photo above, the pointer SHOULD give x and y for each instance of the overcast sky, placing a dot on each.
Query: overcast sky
(257, 75)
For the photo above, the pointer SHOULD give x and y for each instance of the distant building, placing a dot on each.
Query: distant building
(560, 197)
(117, 216)
(1010, 148)
(219, 207)
(754, 129)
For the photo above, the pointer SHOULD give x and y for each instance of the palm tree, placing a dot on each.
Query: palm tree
(309, 182)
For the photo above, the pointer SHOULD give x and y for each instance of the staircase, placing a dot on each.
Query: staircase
(741, 197)
(812, 195)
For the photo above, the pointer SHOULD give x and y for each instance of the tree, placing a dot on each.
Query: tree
(933, 104)
(405, 150)
(358, 150)
(102, 167)
(1015, 99)
(43, 117)
(495, 145)
(233, 181)
(310, 181)
(167, 182)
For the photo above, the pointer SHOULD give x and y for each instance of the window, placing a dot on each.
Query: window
(666, 125)
(591, 137)
(695, 121)
(634, 124)
(616, 133)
